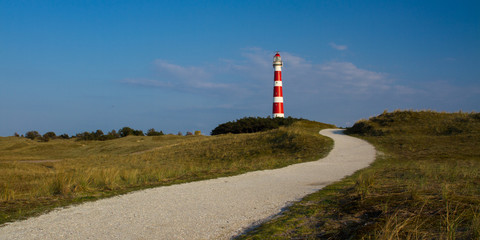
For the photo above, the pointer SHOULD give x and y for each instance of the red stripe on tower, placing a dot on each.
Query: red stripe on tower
(277, 87)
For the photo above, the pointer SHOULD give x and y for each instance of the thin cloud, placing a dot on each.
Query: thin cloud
(257, 57)
(199, 80)
(210, 85)
(180, 72)
(146, 83)
(249, 78)
(347, 74)
(338, 47)
(333, 77)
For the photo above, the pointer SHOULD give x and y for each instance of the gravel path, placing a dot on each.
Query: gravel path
(212, 209)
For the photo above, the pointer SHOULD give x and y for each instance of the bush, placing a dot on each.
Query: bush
(49, 135)
(364, 128)
(138, 133)
(112, 135)
(252, 124)
(152, 132)
(98, 135)
(126, 131)
(32, 135)
(64, 136)
(84, 136)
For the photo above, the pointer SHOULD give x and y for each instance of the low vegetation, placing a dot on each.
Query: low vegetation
(37, 176)
(88, 136)
(253, 124)
(423, 185)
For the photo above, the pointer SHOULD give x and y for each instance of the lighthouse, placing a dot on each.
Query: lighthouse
(277, 87)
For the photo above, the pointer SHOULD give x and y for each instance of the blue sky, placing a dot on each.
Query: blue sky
(74, 66)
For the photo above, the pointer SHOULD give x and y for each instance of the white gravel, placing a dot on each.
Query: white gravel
(212, 209)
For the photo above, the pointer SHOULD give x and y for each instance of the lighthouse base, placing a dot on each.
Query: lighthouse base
(280, 115)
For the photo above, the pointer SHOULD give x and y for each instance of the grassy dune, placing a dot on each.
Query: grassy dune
(423, 185)
(38, 176)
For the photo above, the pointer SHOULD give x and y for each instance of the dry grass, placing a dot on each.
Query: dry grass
(37, 176)
(423, 185)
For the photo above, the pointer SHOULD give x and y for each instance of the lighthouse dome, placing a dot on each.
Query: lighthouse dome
(277, 60)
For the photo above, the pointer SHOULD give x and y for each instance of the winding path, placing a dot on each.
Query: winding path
(212, 209)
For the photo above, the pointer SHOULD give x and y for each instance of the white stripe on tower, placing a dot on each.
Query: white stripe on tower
(277, 87)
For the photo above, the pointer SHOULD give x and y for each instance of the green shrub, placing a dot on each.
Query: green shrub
(152, 132)
(32, 135)
(125, 131)
(64, 136)
(253, 124)
(364, 128)
(50, 135)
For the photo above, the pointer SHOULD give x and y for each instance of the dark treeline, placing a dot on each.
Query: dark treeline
(252, 124)
(243, 125)
(96, 135)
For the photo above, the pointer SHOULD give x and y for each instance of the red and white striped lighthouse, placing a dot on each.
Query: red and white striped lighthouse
(277, 87)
